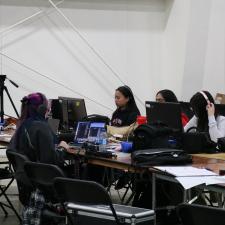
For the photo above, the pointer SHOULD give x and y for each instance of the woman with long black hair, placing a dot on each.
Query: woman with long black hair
(205, 118)
(127, 110)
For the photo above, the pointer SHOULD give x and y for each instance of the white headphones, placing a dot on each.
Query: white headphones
(204, 95)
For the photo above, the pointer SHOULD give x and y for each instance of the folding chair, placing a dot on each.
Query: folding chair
(192, 214)
(91, 199)
(42, 177)
(83, 192)
(7, 174)
(24, 185)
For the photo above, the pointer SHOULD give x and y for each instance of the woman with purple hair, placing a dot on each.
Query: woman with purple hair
(33, 136)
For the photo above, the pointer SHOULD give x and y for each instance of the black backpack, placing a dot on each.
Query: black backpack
(197, 142)
(151, 136)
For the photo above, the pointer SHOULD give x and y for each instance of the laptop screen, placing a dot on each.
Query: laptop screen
(81, 134)
(166, 113)
(94, 131)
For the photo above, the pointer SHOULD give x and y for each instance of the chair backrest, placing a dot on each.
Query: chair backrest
(191, 214)
(42, 177)
(83, 192)
(24, 185)
(17, 161)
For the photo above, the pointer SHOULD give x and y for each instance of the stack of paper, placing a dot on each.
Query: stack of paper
(190, 176)
(184, 171)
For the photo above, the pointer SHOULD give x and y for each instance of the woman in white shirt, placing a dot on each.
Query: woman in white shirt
(206, 118)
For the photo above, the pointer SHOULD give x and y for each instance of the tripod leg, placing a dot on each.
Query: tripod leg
(14, 107)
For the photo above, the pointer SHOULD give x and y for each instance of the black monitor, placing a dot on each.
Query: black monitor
(167, 113)
(59, 111)
(220, 108)
(69, 111)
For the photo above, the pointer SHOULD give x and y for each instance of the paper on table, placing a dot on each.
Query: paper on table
(216, 180)
(189, 182)
(185, 171)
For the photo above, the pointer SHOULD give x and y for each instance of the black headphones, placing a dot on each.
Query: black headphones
(42, 108)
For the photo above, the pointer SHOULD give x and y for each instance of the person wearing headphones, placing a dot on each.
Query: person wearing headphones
(205, 118)
(167, 95)
(127, 110)
(33, 136)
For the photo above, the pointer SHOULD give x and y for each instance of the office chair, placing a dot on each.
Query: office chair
(83, 193)
(7, 174)
(192, 214)
(42, 177)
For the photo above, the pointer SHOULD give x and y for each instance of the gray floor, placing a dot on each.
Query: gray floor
(11, 219)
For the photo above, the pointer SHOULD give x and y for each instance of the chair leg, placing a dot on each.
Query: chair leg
(3, 209)
(3, 193)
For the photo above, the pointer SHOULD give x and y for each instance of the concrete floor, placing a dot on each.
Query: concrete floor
(11, 219)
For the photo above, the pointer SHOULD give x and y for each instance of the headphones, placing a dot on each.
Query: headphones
(42, 108)
(205, 96)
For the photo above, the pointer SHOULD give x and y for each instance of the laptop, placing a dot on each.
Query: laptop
(168, 113)
(81, 133)
(95, 130)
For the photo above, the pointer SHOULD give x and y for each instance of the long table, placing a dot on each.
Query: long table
(123, 162)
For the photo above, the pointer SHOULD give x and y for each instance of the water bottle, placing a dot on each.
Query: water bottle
(172, 143)
(102, 140)
(1, 127)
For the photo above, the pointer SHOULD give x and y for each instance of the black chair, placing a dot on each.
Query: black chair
(83, 193)
(192, 214)
(7, 174)
(24, 185)
(42, 177)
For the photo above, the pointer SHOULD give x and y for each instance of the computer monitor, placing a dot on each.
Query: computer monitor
(166, 113)
(94, 131)
(69, 111)
(81, 134)
(59, 111)
(220, 108)
(54, 125)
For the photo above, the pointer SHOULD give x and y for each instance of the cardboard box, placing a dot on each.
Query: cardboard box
(220, 98)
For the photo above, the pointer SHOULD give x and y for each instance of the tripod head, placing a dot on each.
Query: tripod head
(2, 88)
(2, 80)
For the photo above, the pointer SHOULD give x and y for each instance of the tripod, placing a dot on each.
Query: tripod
(2, 89)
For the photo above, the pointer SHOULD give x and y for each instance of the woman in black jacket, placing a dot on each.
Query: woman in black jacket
(127, 110)
(33, 136)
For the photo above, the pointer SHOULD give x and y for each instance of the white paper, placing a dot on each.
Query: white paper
(185, 171)
(189, 182)
(215, 180)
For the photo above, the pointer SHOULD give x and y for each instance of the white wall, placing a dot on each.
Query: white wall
(127, 34)
(194, 47)
(150, 44)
